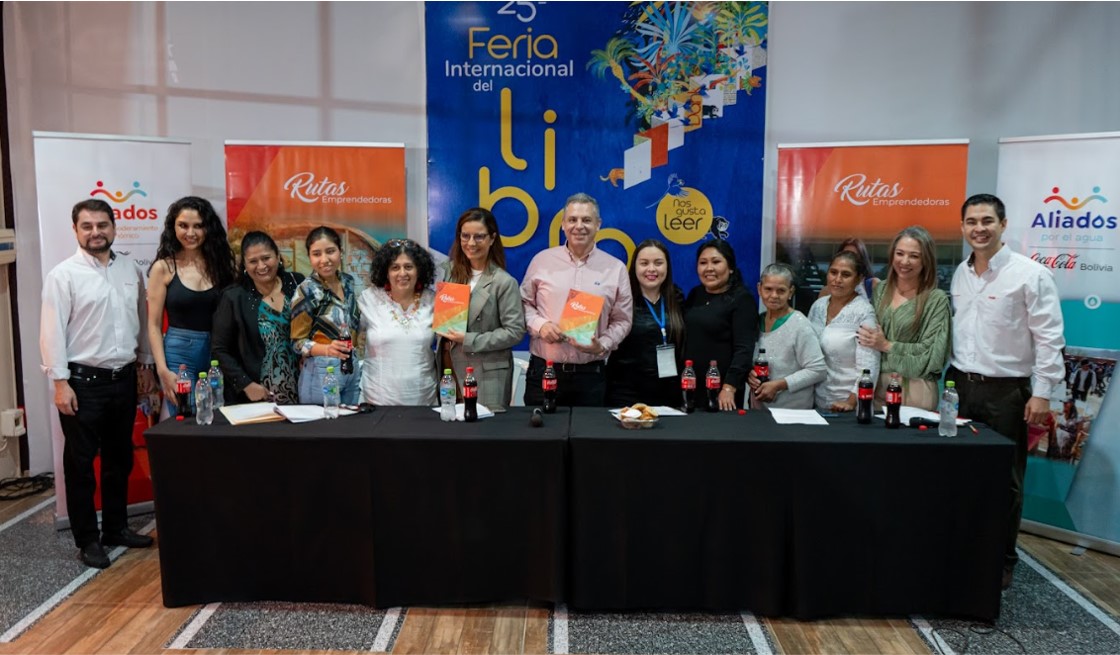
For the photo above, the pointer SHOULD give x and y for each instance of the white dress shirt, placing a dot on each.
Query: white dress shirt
(1007, 322)
(844, 358)
(93, 315)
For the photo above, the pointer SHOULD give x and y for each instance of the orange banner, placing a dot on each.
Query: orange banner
(832, 192)
(287, 190)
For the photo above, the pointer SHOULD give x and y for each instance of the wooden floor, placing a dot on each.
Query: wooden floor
(120, 611)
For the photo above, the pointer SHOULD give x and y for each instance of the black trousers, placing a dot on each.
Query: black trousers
(577, 385)
(1000, 403)
(103, 423)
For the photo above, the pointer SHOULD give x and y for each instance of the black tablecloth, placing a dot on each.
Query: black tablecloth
(723, 511)
(391, 508)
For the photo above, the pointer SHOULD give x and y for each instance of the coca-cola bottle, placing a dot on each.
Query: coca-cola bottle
(347, 366)
(183, 391)
(548, 385)
(865, 396)
(688, 388)
(894, 402)
(470, 396)
(762, 366)
(712, 381)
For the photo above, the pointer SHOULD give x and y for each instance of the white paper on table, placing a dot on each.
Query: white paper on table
(307, 413)
(246, 413)
(797, 416)
(905, 413)
(460, 411)
(661, 410)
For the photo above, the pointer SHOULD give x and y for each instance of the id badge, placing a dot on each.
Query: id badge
(666, 361)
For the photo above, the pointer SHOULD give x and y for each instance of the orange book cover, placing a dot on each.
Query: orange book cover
(580, 318)
(450, 311)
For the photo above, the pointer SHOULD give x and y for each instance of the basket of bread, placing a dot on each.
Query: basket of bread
(638, 416)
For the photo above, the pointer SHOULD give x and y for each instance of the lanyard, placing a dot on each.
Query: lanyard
(660, 320)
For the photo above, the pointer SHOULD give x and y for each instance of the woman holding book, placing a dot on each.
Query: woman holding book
(397, 310)
(495, 318)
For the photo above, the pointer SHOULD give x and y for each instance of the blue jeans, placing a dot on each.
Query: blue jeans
(311, 381)
(190, 347)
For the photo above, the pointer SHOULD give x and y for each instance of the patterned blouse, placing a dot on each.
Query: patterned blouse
(317, 313)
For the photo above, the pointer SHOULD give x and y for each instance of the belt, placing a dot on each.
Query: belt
(92, 373)
(564, 367)
(976, 377)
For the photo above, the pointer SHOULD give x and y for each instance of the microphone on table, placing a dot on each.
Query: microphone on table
(537, 418)
(918, 421)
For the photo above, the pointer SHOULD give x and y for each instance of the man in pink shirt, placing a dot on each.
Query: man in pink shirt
(578, 264)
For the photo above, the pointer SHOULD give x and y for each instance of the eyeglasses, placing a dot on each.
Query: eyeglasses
(397, 243)
(476, 238)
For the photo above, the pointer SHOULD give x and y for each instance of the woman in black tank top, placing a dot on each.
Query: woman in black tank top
(193, 264)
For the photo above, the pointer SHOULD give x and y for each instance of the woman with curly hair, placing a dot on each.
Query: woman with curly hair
(400, 366)
(193, 264)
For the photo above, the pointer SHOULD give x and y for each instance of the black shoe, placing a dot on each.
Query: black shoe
(128, 539)
(92, 554)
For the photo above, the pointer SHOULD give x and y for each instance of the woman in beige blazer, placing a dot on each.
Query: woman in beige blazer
(495, 318)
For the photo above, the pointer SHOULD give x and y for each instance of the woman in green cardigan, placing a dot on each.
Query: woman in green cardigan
(914, 321)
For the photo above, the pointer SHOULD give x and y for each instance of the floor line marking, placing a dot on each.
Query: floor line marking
(931, 635)
(1085, 603)
(194, 626)
(47, 605)
(10, 522)
(757, 634)
(560, 630)
(385, 633)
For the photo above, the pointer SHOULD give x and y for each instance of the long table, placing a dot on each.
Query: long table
(386, 509)
(726, 511)
(708, 511)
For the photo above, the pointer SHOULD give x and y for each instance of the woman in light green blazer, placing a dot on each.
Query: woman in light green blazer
(495, 318)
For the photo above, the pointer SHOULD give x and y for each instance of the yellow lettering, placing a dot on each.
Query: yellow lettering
(488, 199)
(511, 160)
(497, 46)
(471, 43)
(550, 151)
(551, 54)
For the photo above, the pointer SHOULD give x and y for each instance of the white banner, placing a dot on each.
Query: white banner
(139, 178)
(1063, 197)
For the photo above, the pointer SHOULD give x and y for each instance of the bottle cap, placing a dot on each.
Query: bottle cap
(447, 371)
(202, 375)
(923, 427)
(179, 417)
(742, 412)
(949, 384)
(550, 362)
(213, 362)
(330, 369)
(470, 370)
(688, 362)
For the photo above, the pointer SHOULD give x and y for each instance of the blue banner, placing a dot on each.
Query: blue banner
(654, 109)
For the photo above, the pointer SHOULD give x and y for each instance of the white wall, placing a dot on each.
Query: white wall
(355, 72)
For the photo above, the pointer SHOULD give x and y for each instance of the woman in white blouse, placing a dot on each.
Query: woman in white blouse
(399, 366)
(837, 318)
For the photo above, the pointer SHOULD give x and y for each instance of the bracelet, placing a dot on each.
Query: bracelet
(728, 387)
(147, 367)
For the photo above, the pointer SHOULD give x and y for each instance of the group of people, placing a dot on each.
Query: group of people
(276, 333)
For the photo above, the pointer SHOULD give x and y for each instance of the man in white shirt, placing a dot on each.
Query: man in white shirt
(1007, 341)
(578, 264)
(94, 307)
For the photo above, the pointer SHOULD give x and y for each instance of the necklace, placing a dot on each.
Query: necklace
(273, 295)
(403, 316)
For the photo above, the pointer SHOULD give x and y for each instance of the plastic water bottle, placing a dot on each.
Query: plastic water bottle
(447, 396)
(688, 388)
(950, 405)
(203, 401)
(217, 384)
(331, 396)
(183, 391)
